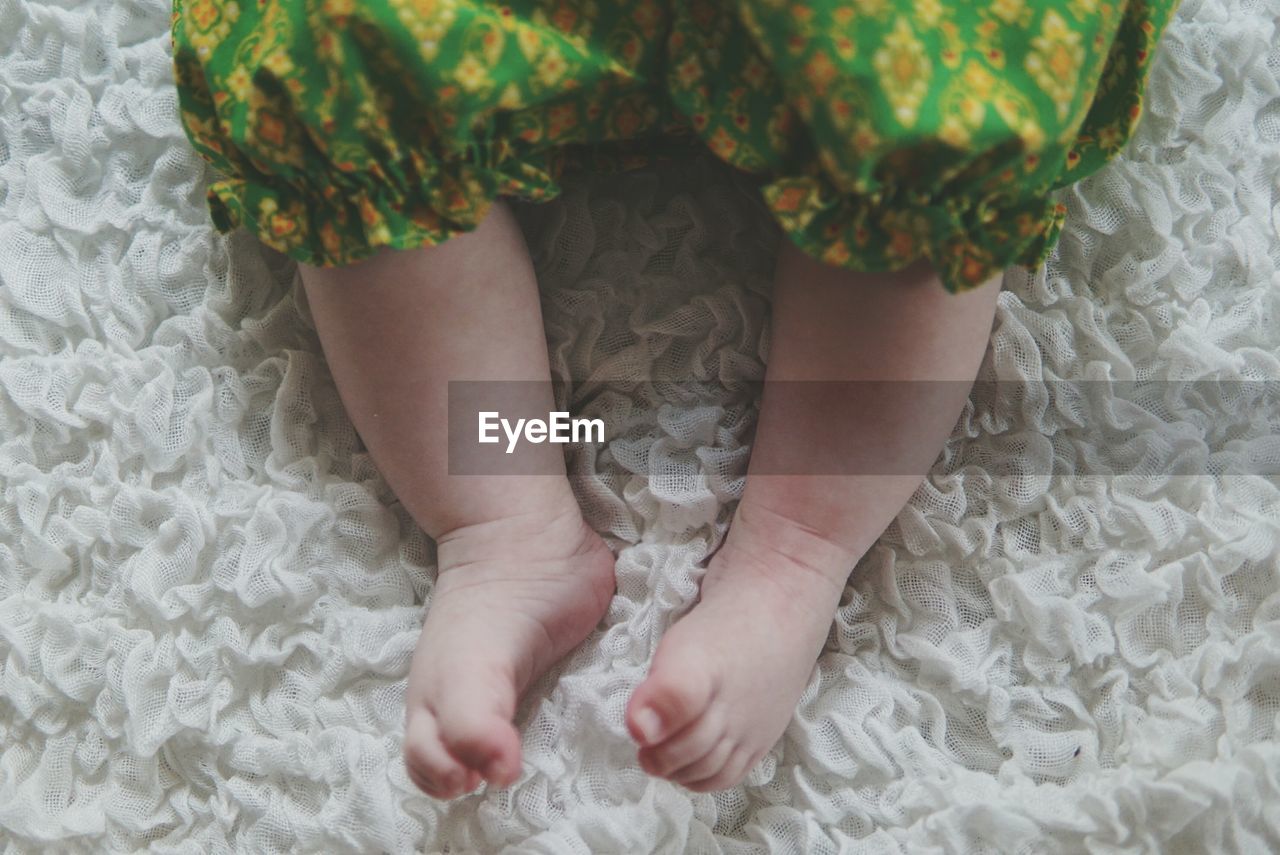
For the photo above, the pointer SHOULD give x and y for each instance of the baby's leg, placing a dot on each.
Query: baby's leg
(726, 678)
(522, 578)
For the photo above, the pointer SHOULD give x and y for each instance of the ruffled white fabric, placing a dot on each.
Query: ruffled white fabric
(208, 596)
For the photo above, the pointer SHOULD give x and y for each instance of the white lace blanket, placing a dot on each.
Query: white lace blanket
(208, 599)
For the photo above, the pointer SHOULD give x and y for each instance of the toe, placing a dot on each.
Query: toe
(431, 788)
(429, 765)
(489, 746)
(475, 726)
(730, 775)
(673, 695)
(473, 780)
(691, 743)
(706, 766)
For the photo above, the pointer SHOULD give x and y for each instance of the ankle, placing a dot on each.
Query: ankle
(787, 544)
(802, 528)
(552, 524)
(472, 501)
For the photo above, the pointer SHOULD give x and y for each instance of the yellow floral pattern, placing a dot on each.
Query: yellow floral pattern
(880, 131)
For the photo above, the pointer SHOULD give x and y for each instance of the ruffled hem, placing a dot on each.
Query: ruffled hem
(972, 205)
(334, 130)
(971, 198)
(423, 206)
(879, 233)
(339, 218)
(330, 221)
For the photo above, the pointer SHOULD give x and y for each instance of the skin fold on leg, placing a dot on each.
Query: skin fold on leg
(867, 375)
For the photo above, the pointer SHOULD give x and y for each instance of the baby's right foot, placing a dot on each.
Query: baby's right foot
(513, 596)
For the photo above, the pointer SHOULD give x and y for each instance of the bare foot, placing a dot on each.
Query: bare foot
(513, 596)
(727, 676)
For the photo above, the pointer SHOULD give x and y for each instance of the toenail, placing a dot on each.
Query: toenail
(648, 723)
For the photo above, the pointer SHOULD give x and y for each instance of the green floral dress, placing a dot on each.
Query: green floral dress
(880, 131)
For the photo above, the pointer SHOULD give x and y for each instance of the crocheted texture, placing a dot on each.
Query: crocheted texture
(209, 598)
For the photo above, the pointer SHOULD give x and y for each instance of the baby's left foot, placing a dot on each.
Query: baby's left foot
(727, 676)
